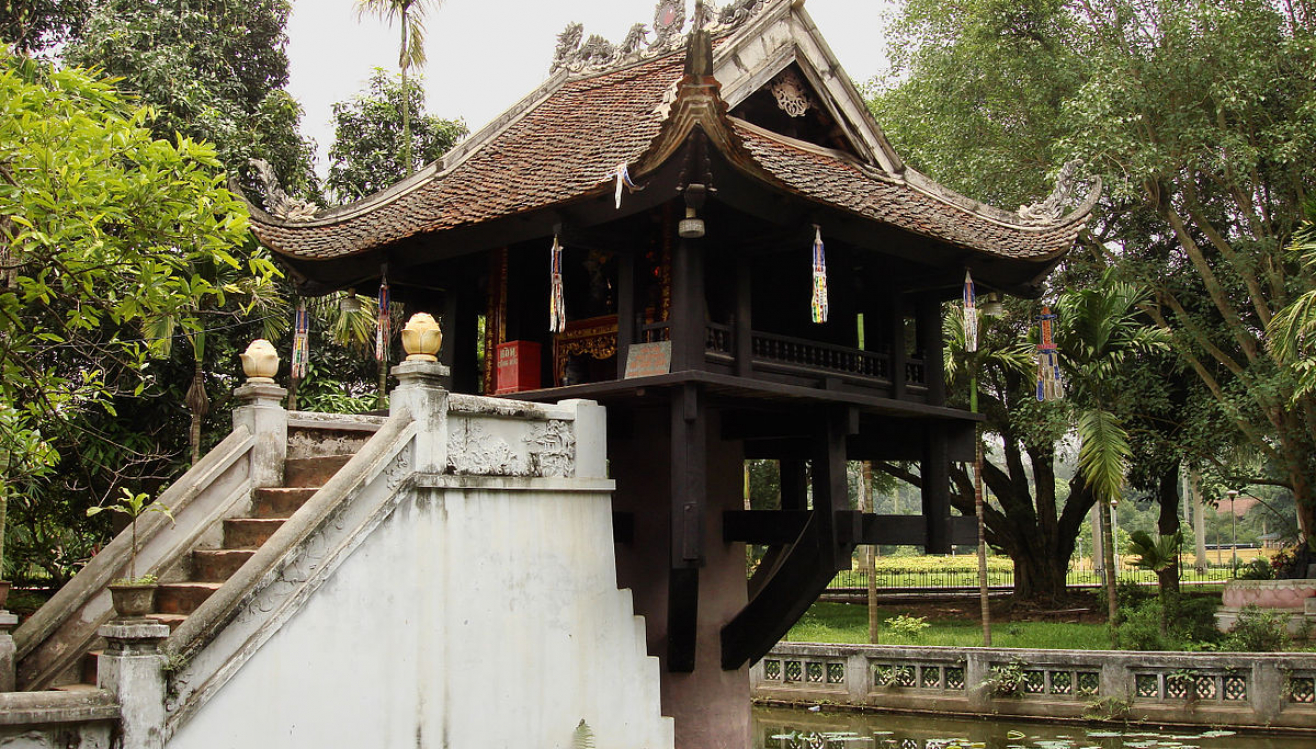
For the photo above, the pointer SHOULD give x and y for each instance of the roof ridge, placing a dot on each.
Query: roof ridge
(596, 55)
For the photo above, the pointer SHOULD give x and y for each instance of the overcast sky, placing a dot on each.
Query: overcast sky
(484, 55)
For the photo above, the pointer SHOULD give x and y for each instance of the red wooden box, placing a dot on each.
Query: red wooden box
(518, 367)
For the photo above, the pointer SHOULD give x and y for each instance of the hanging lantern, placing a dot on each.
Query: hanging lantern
(970, 314)
(301, 343)
(819, 304)
(557, 308)
(382, 332)
(1049, 384)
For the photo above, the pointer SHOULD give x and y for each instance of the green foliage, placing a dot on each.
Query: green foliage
(1007, 680)
(1198, 116)
(1191, 625)
(134, 506)
(33, 25)
(105, 228)
(907, 627)
(1258, 631)
(212, 70)
(366, 155)
(1259, 568)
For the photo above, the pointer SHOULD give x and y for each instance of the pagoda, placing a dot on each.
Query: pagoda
(703, 229)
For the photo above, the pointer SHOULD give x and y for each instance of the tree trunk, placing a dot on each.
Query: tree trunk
(869, 561)
(1199, 520)
(1168, 525)
(1108, 559)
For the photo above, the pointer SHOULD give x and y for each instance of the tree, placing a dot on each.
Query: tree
(1160, 556)
(411, 51)
(1198, 116)
(368, 133)
(33, 25)
(103, 227)
(213, 70)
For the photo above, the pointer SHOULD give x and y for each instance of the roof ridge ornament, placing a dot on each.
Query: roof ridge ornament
(597, 54)
(278, 203)
(1049, 210)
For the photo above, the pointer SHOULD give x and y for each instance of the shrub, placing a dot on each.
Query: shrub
(1258, 631)
(1129, 594)
(1006, 680)
(909, 627)
(1257, 569)
(1192, 624)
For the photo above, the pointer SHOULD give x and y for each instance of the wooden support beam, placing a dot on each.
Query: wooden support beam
(802, 574)
(936, 492)
(764, 527)
(899, 357)
(689, 476)
(783, 527)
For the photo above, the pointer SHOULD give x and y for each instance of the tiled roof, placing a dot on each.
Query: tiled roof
(570, 143)
(841, 182)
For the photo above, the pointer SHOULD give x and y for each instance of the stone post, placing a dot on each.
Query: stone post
(977, 667)
(420, 392)
(591, 429)
(7, 623)
(260, 410)
(132, 669)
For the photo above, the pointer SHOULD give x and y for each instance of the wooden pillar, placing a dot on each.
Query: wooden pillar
(625, 309)
(929, 332)
(831, 490)
(744, 336)
(689, 494)
(896, 323)
(936, 491)
(451, 338)
(687, 320)
(794, 486)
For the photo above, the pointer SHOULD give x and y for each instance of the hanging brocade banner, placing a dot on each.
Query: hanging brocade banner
(557, 308)
(382, 332)
(819, 304)
(1049, 385)
(301, 341)
(970, 314)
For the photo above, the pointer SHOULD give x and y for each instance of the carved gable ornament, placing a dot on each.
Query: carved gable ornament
(791, 93)
(669, 27)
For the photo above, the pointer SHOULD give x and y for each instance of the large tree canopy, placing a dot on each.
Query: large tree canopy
(214, 70)
(1199, 116)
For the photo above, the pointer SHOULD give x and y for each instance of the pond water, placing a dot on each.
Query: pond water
(778, 728)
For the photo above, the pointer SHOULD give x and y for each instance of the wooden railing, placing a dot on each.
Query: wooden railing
(812, 355)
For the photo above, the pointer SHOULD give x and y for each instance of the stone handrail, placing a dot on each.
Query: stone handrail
(82, 718)
(225, 630)
(219, 608)
(1277, 690)
(53, 638)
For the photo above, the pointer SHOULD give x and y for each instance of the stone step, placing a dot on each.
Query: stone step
(217, 565)
(89, 686)
(299, 472)
(169, 620)
(182, 598)
(249, 533)
(280, 503)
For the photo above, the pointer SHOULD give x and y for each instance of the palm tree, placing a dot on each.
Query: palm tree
(411, 50)
(1100, 329)
(1160, 556)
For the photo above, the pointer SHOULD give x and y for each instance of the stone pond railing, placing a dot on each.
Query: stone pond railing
(1238, 689)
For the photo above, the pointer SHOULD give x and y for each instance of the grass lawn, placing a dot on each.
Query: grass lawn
(846, 623)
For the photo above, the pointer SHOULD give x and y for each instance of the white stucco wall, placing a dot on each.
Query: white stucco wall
(483, 617)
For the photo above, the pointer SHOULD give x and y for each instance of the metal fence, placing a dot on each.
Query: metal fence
(997, 577)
